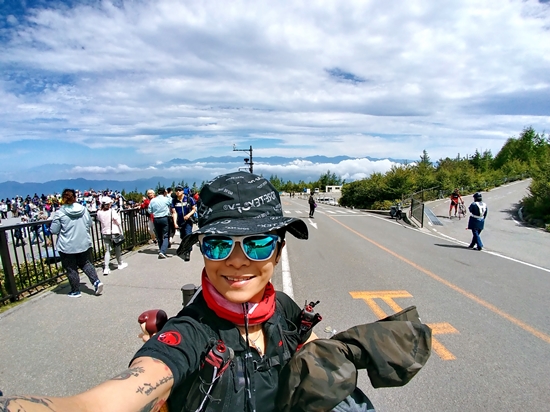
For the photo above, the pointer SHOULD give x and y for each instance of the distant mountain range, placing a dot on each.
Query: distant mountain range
(56, 186)
(277, 160)
(207, 166)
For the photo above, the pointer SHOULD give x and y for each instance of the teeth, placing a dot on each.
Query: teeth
(236, 279)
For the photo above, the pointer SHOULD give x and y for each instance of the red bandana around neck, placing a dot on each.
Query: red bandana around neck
(234, 312)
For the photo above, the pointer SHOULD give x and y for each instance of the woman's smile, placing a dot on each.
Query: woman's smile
(238, 281)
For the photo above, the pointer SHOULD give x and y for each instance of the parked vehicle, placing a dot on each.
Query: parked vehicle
(396, 212)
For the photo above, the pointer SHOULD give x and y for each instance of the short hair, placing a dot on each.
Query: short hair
(68, 191)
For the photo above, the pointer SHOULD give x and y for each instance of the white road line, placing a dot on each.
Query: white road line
(343, 215)
(312, 224)
(385, 218)
(489, 252)
(518, 261)
(287, 277)
(518, 223)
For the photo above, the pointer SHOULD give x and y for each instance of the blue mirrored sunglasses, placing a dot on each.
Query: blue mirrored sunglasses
(255, 247)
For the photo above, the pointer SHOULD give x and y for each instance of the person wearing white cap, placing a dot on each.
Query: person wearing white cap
(111, 224)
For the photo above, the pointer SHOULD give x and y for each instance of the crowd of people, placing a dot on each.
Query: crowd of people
(31, 206)
(168, 211)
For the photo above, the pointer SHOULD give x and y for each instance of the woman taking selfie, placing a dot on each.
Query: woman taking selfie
(235, 346)
(237, 315)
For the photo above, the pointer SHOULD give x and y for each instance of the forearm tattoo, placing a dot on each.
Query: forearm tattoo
(128, 373)
(14, 403)
(147, 388)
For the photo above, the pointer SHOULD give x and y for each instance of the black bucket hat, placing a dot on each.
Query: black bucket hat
(239, 204)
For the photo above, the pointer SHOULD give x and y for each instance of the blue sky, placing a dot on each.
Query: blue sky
(115, 89)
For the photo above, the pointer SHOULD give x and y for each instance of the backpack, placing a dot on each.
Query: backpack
(194, 219)
(227, 392)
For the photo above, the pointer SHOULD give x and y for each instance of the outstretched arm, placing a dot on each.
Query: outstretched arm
(144, 387)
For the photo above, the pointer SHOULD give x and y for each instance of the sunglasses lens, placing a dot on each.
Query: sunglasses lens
(259, 247)
(256, 247)
(217, 247)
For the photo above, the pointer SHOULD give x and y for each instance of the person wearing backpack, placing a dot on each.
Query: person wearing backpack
(238, 311)
(229, 347)
(312, 204)
(184, 208)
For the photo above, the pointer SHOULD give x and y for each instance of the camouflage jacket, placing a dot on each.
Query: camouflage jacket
(324, 372)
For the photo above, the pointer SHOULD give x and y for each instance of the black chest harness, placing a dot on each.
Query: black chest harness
(230, 373)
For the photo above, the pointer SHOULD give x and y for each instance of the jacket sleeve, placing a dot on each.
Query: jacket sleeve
(324, 372)
(55, 227)
(89, 221)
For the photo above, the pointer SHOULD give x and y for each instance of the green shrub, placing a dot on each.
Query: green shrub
(382, 205)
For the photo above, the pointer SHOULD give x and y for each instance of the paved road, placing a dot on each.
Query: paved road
(504, 232)
(490, 314)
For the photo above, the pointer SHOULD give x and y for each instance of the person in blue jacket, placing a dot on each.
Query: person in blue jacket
(72, 223)
(478, 213)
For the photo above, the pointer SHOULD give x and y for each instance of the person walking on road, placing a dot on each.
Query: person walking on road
(72, 223)
(111, 224)
(160, 207)
(312, 204)
(455, 200)
(478, 213)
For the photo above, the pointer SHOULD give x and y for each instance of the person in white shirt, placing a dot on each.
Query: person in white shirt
(111, 225)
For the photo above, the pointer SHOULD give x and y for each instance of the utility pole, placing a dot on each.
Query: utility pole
(247, 160)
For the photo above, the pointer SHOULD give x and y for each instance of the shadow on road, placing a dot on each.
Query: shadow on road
(149, 251)
(64, 288)
(512, 211)
(451, 246)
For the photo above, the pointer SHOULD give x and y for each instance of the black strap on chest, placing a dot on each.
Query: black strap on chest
(215, 363)
(217, 359)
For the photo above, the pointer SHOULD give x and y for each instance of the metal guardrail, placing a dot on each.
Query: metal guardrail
(417, 211)
(28, 267)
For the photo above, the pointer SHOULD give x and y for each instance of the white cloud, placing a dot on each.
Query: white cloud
(177, 78)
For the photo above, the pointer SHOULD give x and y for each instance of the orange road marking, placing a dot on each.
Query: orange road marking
(535, 332)
(385, 295)
(441, 350)
(440, 329)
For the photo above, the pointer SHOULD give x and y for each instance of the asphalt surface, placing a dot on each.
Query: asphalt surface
(490, 310)
(57, 346)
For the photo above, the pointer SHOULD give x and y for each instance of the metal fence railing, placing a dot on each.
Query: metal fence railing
(417, 211)
(30, 261)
